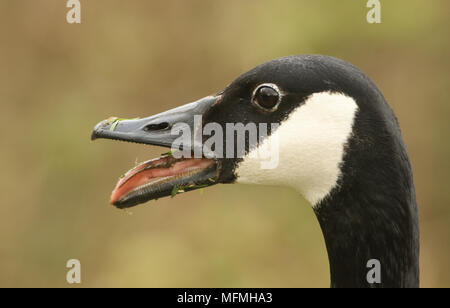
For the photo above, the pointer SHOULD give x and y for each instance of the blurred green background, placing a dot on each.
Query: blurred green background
(135, 58)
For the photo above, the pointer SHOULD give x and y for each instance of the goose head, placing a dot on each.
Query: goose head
(314, 123)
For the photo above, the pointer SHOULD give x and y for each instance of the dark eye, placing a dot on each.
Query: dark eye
(266, 97)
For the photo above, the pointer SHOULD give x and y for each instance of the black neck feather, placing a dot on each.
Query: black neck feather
(373, 212)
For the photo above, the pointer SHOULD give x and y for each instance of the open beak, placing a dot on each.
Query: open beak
(169, 174)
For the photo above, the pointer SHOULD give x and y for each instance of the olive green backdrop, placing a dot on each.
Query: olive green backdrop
(135, 58)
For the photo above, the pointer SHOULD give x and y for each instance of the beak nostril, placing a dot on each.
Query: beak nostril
(156, 127)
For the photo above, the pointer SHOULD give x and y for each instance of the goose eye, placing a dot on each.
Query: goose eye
(266, 97)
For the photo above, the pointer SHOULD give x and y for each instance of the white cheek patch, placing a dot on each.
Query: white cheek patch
(311, 147)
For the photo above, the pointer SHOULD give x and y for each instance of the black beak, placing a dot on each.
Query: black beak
(167, 175)
(157, 129)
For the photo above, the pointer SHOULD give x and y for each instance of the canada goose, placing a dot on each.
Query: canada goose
(339, 146)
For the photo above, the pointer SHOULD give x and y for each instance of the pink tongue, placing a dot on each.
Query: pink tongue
(140, 175)
(141, 167)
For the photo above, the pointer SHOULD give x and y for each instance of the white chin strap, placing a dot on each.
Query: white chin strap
(311, 146)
